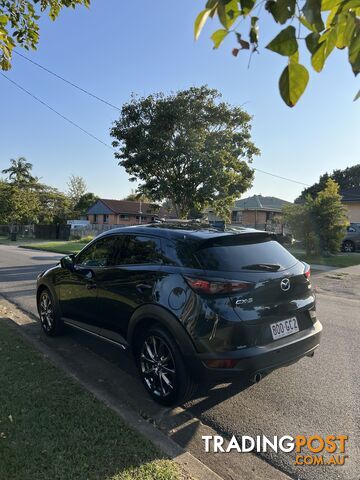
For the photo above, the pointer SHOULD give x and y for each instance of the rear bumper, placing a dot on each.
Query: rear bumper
(258, 359)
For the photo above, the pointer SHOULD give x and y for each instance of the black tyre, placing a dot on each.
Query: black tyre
(162, 368)
(50, 319)
(348, 246)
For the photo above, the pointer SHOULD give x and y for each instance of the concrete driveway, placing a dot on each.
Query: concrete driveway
(315, 396)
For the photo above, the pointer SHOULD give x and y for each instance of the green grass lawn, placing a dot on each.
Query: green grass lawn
(73, 246)
(52, 428)
(340, 260)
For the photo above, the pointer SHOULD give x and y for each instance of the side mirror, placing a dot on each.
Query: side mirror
(68, 262)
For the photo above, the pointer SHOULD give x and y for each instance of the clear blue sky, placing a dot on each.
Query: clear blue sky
(116, 48)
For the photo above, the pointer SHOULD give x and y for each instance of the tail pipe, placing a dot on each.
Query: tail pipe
(256, 378)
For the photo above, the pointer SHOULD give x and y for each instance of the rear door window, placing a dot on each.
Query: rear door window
(139, 250)
(258, 255)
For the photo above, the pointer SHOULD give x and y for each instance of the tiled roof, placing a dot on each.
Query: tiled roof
(258, 202)
(129, 207)
(351, 195)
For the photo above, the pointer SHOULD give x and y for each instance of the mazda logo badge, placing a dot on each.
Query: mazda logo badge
(285, 284)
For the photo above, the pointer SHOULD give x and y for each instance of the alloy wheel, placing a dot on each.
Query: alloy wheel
(348, 247)
(157, 366)
(46, 312)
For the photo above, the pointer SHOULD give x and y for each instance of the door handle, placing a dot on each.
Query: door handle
(143, 286)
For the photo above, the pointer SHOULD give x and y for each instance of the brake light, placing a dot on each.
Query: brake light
(210, 287)
(307, 271)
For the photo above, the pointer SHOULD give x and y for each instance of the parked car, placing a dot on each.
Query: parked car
(351, 241)
(193, 304)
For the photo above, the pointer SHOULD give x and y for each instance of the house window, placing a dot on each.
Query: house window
(106, 218)
(124, 217)
(95, 218)
(236, 217)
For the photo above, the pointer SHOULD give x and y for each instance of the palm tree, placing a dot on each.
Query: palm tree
(19, 172)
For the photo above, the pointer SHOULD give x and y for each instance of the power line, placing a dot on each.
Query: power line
(57, 113)
(104, 143)
(68, 81)
(282, 178)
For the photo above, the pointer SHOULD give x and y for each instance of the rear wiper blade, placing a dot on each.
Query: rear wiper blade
(272, 267)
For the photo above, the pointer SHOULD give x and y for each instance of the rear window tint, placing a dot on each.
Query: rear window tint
(231, 258)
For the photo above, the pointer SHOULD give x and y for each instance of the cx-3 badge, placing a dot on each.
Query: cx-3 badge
(285, 284)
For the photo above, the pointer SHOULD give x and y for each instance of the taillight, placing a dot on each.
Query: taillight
(212, 287)
(307, 271)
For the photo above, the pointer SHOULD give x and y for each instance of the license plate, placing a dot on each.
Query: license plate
(284, 328)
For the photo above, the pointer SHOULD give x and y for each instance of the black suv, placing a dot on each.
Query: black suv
(193, 304)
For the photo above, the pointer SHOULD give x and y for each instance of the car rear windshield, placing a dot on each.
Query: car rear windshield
(257, 254)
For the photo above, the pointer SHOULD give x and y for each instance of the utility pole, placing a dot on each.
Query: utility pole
(140, 213)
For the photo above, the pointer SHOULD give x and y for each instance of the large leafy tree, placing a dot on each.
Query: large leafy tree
(55, 207)
(188, 147)
(346, 179)
(319, 222)
(321, 25)
(18, 205)
(19, 23)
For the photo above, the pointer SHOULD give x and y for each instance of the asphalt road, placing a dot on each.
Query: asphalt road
(315, 396)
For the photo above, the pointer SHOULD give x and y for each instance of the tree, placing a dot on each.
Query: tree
(84, 203)
(301, 222)
(18, 205)
(188, 147)
(319, 222)
(135, 196)
(330, 218)
(55, 206)
(321, 24)
(19, 172)
(76, 188)
(19, 23)
(346, 179)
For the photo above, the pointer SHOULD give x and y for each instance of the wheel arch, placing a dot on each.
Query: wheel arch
(148, 315)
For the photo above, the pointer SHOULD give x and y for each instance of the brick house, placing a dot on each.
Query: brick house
(351, 200)
(123, 212)
(257, 212)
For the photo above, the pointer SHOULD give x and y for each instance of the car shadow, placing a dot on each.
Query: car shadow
(114, 371)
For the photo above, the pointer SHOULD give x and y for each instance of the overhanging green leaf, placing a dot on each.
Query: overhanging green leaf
(357, 96)
(312, 41)
(292, 83)
(285, 42)
(246, 6)
(312, 12)
(254, 31)
(326, 45)
(354, 54)
(3, 19)
(345, 25)
(329, 4)
(218, 36)
(200, 22)
(281, 10)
